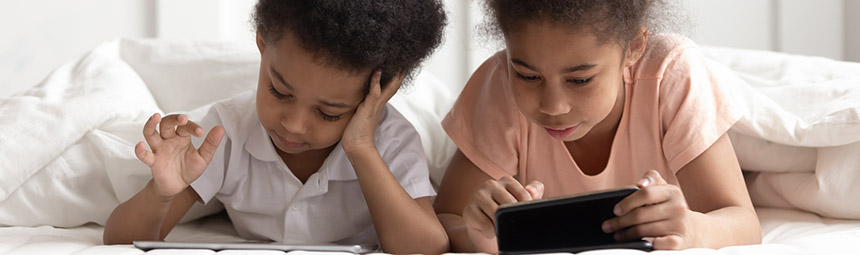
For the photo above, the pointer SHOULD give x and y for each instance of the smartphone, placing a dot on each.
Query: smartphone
(562, 224)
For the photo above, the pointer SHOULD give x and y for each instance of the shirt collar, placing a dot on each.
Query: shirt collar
(336, 166)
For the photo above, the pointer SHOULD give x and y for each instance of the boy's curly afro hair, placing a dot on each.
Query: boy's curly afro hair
(358, 35)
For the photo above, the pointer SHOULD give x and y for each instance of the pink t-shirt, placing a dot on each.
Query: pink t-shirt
(674, 110)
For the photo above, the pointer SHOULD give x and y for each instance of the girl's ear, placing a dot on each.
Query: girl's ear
(636, 47)
(260, 43)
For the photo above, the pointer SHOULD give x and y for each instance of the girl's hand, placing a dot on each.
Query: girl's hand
(174, 161)
(479, 213)
(358, 134)
(658, 210)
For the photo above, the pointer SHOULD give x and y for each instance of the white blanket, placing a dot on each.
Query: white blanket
(799, 137)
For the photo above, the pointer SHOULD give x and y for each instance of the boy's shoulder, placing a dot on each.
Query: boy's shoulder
(236, 114)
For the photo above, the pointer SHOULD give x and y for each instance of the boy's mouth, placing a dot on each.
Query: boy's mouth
(290, 144)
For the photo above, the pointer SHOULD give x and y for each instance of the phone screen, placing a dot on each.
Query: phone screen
(559, 224)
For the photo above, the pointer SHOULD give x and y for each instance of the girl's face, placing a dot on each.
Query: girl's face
(564, 80)
(303, 103)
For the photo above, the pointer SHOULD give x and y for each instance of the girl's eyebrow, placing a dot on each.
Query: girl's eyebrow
(329, 104)
(582, 67)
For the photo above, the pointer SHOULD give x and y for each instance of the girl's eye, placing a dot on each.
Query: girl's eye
(581, 81)
(527, 78)
(328, 117)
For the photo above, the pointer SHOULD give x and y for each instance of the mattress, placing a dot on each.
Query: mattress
(785, 231)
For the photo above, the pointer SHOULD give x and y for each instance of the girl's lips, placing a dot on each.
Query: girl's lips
(288, 143)
(561, 133)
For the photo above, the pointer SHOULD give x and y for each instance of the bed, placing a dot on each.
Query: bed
(798, 142)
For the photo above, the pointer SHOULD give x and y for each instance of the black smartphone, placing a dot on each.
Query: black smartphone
(562, 224)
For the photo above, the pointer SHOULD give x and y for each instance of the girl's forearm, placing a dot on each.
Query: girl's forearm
(727, 226)
(403, 224)
(139, 218)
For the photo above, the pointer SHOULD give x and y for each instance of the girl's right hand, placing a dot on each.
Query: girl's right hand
(479, 213)
(174, 161)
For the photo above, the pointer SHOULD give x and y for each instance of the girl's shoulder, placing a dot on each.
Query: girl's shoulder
(661, 52)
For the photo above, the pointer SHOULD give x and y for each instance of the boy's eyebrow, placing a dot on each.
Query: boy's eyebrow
(280, 78)
(329, 104)
(582, 67)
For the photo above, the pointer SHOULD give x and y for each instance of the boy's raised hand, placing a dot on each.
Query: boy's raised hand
(359, 132)
(174, 161)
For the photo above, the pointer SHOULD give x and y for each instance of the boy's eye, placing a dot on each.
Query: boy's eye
(581, 81)
(328, 117)
(277, 94)
(527, 78)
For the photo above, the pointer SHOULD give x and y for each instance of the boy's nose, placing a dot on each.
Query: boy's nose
(294, 122)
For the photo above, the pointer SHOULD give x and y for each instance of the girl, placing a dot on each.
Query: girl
(585, 98)
(315, 155)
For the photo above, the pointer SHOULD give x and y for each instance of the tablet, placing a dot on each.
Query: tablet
(149, 245)
(562, 224)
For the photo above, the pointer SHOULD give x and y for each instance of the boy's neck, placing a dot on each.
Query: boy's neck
(305, 164)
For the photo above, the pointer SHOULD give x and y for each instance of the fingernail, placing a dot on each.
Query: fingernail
(617, 210)
(605, 227)
(645, 182)
(198, 130)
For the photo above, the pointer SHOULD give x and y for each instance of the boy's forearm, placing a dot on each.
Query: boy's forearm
(139, 218)
(402, 224)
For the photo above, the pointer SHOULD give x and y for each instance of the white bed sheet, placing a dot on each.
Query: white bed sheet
(785, 231)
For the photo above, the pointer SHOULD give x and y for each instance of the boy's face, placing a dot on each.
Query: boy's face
(303, 103)
(563, 81)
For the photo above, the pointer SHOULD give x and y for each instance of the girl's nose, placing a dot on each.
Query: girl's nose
(553, 101)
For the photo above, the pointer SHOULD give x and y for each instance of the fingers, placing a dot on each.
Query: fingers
(169, 123)
(535, 189)
(210, 144)
(392, 86)
(149, 133)
(190, 128)
(144, 155)
(650, 195)
(651, 177)
(637, 216)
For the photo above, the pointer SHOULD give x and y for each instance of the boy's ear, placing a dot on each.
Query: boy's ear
(260, 43)
(636, 46)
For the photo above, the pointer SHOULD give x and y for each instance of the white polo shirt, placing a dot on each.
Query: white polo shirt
(265, 201)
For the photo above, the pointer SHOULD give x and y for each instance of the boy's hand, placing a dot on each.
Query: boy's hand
(358, 134)
(174, 161)
(479, 213)
(658, 210)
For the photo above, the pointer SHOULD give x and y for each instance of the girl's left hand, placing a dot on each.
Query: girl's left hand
(658, 210)
(359, 133)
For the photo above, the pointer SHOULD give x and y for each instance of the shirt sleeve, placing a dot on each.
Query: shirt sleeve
(401, 149)
(695, 111)
(485, 122)
(210, 182)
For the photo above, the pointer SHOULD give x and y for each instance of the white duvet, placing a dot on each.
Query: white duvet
(66, 152)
